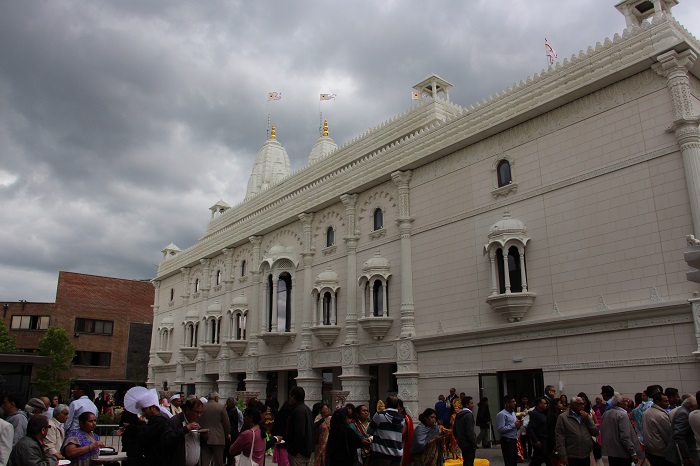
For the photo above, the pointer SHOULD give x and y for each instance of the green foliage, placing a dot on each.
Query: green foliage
(7, 341)
(51, 378)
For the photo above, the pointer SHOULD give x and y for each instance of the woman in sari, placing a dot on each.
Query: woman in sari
(82, 445)
(453, 451)
(426, 447)
(323, 424)
(359, 424)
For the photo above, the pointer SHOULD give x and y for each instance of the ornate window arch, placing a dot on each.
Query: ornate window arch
(243, 268)
(196, 285)
(330, 237)
(378, 219)
(218, 277)
(503, 173)
(506, 245)
(505, 184)
(238, 318)
(279, 296)
(325, 298)
(374, 285)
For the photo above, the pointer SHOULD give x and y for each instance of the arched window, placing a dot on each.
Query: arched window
(196, 285)
(515, 277)
(377, 299)
(378, 219)
(240, 326)
(280, 299)
(243, 264)
(172, 294)
(327, 309)
(330, 237)
(503, 170)
(218, 277)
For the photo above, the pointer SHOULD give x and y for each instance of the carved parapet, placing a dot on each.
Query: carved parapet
(212, 349)
(237, 346)
(164, 355)
(377, 327)
(277, 339)
(189, 351)
(326, 333)
(512, 306)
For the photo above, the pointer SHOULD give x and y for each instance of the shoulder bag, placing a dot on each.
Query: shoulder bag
(242, 460)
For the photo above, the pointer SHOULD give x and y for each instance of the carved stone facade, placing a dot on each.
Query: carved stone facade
(449, 290)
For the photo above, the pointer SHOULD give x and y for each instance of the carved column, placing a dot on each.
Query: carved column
(150, 381)
(695, 308)
(355, 378)
(407, 374)
(206, 277)
(202, 383)
(404, 220)
(674, 66)
(309, 378)
(228, 275)
(226, 385)
(254, 381)
(351, 237)
(307, 256)
(185, 271)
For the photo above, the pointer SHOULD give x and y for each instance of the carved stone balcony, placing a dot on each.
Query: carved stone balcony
(326, 333)
(164, 355)
(189, 351)
(277, 339)
(212, 349)
(512, 306)
(237, 346)
(377, 327)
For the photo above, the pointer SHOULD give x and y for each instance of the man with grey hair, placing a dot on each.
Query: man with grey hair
(54, 439)
(215, 418)
(573, 433)
(618, 435)
(681, 449)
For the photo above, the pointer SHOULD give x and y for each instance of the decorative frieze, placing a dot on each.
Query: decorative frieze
(632, 362)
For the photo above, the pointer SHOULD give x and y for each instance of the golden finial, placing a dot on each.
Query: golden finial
(325, 128)
(272, 133)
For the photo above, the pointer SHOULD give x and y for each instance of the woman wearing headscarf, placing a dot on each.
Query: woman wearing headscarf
(426, 446)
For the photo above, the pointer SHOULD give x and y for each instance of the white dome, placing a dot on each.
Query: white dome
(192, 314)
(271, 166)
(240, 301)
(507, 226)
(214, 308)
(324, 146)
(327, 276)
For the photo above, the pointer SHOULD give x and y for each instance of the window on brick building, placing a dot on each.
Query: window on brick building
(101, 327)
(92, 358)
(30, 322)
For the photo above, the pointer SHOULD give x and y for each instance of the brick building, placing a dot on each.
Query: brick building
(109, 321)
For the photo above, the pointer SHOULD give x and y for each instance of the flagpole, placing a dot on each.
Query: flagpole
(267, 130)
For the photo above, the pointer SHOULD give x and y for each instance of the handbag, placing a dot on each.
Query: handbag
(597, 450)
(242, 460)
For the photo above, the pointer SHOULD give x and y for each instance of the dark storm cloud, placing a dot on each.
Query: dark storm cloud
(121, 122)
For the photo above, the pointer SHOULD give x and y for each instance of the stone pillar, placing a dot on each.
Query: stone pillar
(351, 237)
(185, 271)
(228, 277)
(206, 277)
(407, 375)
(254, 381)
(307, 257)
(404, 220)
(695, 307)
(674, 67)
(150, 381)
(355, 378)
(202, 384)
(310, 379)
(226, 385)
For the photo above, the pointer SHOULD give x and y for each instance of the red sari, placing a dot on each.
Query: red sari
(407, 457)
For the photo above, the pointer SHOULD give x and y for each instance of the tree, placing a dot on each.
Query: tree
(51, 378)
(7, 341)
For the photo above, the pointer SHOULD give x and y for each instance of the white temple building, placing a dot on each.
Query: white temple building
(534, 238)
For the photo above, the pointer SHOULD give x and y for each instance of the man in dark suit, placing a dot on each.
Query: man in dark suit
(215, 418)
(464, 431)
(682, 439)
(187, 453)
(537, 432)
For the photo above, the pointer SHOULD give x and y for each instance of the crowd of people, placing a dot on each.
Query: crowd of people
(661, 427)
(658, 427)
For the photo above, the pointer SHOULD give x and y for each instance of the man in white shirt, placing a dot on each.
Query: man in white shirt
(188, 453)
(80, 404)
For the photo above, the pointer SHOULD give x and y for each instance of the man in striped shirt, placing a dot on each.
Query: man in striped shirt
(387, 443)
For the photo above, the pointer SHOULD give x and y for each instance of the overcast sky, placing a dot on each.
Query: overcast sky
(122, 122)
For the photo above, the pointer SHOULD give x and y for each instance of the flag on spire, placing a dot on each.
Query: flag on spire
(415, 95)
(551, 54)
(327, 96)
(274, 96)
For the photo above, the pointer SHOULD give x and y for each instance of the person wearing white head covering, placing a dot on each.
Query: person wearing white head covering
(157, 437)
(175, 403)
